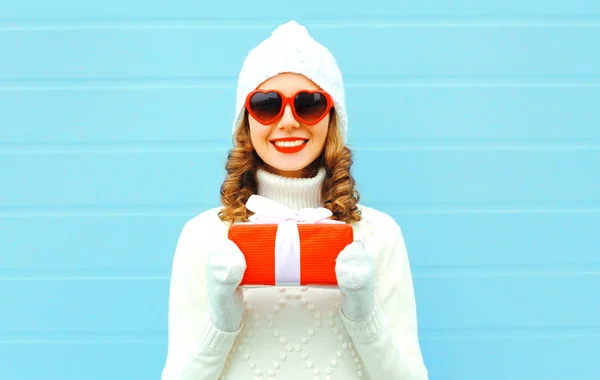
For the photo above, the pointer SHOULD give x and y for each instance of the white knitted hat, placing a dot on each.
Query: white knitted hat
(290, 48)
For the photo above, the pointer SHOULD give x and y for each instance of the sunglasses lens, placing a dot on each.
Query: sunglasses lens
(265, 106)
(310, 106)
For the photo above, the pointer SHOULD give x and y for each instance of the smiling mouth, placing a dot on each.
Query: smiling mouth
(289, 146)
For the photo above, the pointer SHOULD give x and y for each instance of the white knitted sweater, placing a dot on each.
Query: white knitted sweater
(294, 333)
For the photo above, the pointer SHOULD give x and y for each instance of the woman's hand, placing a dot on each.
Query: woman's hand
(356, 278)
(225, 269)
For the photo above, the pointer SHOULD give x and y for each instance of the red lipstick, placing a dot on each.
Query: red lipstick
(290, 149)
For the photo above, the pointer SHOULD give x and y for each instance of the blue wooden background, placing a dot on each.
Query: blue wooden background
(476, 124)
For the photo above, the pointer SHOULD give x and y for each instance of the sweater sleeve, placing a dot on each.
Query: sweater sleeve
(196, 349)
(387, 341)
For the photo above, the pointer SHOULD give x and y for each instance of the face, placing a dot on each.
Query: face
(287, 144)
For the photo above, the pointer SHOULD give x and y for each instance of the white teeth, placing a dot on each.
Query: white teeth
(285, 144)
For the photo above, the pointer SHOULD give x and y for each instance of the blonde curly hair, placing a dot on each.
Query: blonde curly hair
(338, 193)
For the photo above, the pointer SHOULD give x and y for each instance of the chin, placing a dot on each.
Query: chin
(292, 170)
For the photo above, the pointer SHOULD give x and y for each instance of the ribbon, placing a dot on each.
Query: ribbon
(287, 238)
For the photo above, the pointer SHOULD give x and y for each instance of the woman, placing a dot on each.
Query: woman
(289, 134)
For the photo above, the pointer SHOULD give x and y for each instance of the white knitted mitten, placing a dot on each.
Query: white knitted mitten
(224, 271)
(356, 278)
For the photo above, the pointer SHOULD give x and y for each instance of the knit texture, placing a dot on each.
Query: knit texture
(224, 272)
(356, 279)
(291, 49)
(294, 333)
(296, 193)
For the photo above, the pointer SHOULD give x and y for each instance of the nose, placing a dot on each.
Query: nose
(288, 121)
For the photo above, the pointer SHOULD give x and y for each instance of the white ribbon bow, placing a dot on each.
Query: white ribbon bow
(287, 239)
(267, 211)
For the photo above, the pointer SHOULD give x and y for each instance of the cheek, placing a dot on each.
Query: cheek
(258, 132)
(320, 131)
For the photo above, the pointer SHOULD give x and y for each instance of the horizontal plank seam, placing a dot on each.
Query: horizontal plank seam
(585, 20)
(591, 269)
(9, 338)
(169, 83)
(392, 144)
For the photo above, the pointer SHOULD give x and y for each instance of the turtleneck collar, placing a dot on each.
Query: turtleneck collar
(295, 193)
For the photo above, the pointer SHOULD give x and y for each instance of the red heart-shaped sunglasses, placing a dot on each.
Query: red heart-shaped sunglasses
(309, 107)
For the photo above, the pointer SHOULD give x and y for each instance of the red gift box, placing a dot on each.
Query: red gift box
(319, 247)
